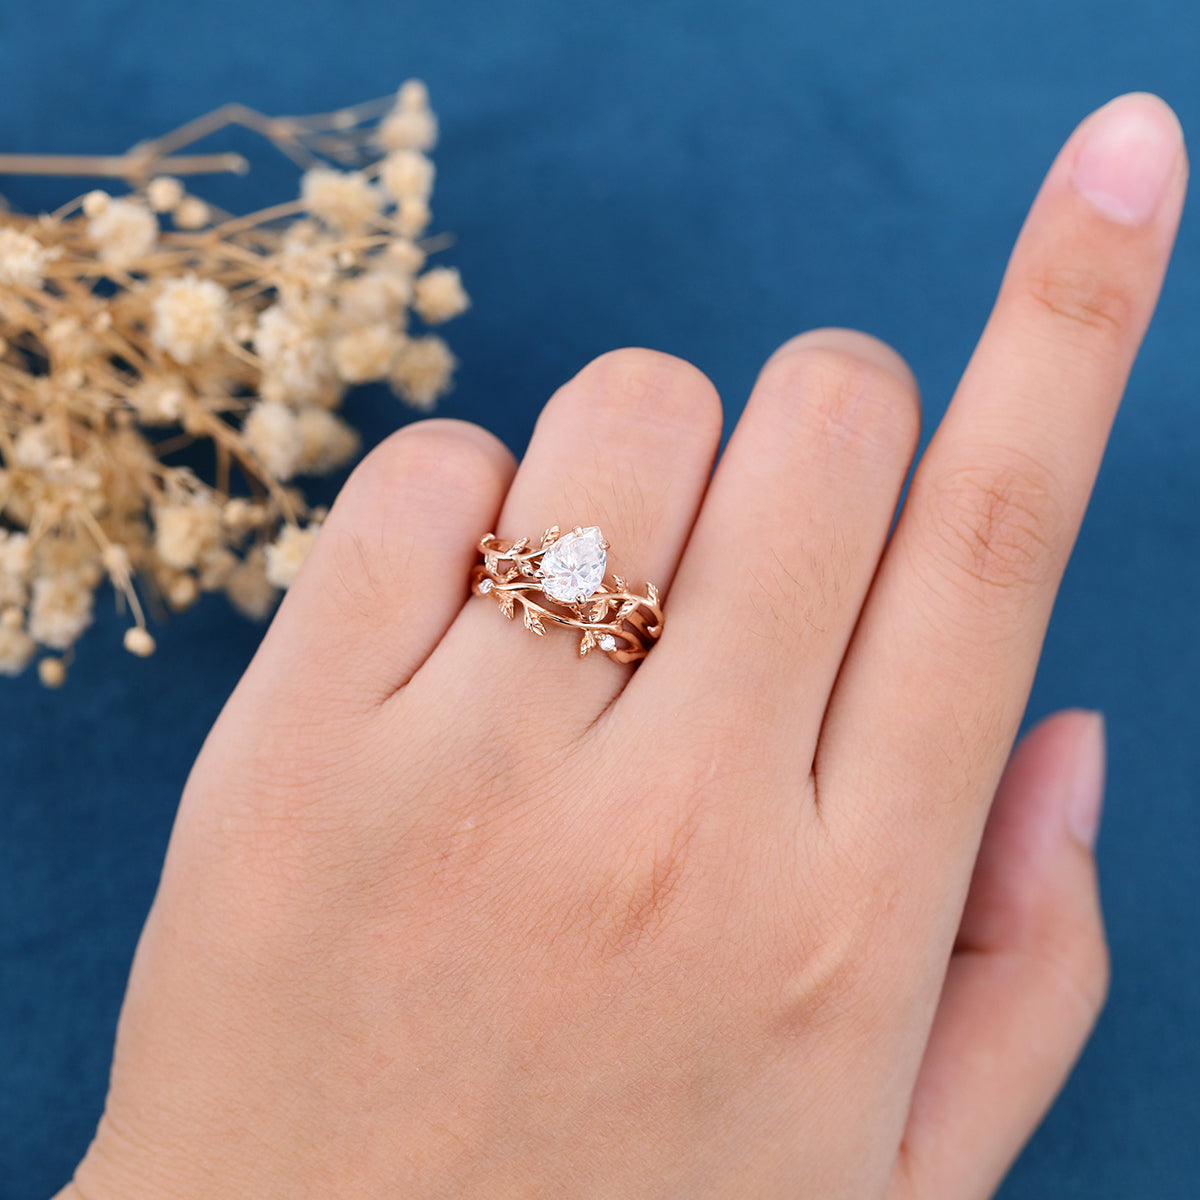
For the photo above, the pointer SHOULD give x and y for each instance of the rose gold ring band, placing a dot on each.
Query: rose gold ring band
(562, 581)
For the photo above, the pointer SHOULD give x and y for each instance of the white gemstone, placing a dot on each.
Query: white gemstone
(485, 586)
(573, 568)
(606, 641)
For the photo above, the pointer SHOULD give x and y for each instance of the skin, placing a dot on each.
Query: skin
(449, 913)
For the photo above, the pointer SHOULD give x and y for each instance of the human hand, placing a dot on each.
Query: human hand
(448, 912)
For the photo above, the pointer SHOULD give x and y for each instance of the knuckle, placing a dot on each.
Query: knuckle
(640, 387)
(443, 460)
(1076, 960)
(994, 528)
(632, 909)
(837, 969)
(670, 882)
(1080, 298)
(846, 398)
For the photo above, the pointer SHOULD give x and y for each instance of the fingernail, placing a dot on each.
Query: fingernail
(1087, 786)
(1128, 158)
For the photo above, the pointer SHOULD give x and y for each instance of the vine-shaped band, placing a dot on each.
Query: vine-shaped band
(562, 581)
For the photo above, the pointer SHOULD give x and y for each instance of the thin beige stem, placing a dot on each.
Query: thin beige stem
(345, 119)
(276, 212)
(223, 468)
(203, 126)
(121, 579)
(169, 445)
(121, 166)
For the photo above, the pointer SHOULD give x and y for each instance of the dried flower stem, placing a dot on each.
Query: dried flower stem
(120, 166)
(120, 316)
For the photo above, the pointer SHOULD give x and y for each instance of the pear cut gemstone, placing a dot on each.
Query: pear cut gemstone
(573, 568)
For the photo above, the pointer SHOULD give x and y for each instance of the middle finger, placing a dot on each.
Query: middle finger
(785, 547)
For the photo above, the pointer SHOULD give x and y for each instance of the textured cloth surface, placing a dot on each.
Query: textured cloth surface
(707, 179)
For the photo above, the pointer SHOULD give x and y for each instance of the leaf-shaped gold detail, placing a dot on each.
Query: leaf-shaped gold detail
(517, 547)
(491, 560)
(551, 535)
(626, 609)
(505, 600)
(599, 609)
(652, 592)
(618, 583)
(534, 623)
(586, 642)
(511, 574)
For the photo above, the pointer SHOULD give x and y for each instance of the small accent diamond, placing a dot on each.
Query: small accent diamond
(606, 641)
(485, 586)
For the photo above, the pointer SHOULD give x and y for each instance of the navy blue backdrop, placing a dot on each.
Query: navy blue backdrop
(705, 178)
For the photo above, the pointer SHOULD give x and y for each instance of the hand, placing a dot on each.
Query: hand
(449, 912)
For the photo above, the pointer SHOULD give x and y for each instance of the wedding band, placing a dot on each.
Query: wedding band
(562, 581)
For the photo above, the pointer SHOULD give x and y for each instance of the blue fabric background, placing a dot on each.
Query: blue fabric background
(707, 179)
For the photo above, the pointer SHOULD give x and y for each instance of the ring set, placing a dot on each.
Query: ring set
(561, 581)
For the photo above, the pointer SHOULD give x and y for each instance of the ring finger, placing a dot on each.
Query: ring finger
(626, 445)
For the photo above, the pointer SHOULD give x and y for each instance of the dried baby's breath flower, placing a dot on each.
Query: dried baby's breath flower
(328, 441)
(412, 216)
(22, 259)
(158, 399)
(191, 213)
(377, 298)
(272, 433)
(123, 231)
(412, 96)
(190, 316)
(16, 648)
(286, 555)
(248, 588)
(409, 127)
(139, 641)
(185, 533)
(52, 672)
(61, 608)
(71, 342)
(346, 200)
(164, 193)
(294, 356)
(405, 255)
(33, 447)
(422, 369)
(16, 554)
(407, 173)
(365, 354)
(134, 325)
(181, 590)
(94, 203)
(439, 295)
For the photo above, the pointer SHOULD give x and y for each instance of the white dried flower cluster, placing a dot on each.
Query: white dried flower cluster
(286, 555)
(345, 200)
(132, 326)
(189, 317)
(124, 231)
(411, 125)
(23, 259)
(438, 295)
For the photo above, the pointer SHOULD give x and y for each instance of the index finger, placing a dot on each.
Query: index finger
(937, 677)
